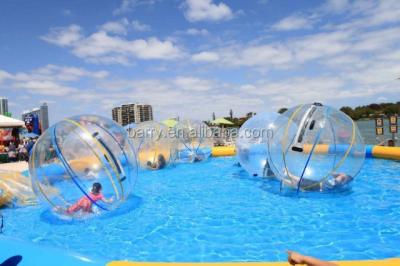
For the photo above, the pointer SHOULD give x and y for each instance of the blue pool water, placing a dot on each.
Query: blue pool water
(213, 211)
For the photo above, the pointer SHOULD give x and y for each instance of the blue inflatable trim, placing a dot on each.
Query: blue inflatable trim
(31, 254)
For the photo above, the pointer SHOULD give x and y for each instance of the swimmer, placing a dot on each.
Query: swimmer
(159, 164)
(85, 204)
(339, 180)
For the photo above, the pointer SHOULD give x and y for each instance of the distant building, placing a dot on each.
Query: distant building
(143, 112)
(132, 113)
(3, 106)
(117, 115)
(41, 113)
(44, 116)
(128, 114)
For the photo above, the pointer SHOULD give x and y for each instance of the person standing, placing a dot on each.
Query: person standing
(12, 152)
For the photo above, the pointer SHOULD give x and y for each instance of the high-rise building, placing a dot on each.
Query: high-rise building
(42, 113)
(3, 106)
(44, 116)
(144, 112)
(128, 114)
(132, 113)
(117, 115)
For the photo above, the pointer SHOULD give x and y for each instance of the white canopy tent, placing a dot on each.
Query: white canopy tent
(8, 122)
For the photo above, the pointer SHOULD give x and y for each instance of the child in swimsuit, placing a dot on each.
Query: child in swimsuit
(85, 204)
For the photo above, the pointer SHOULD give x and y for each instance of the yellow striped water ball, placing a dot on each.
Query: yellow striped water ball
(83, 166)
(155, 144)
(325, 153)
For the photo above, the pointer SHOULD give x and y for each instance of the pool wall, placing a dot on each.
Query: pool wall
(387, 262)
(371, 151)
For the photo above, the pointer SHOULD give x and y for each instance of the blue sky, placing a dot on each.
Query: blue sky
(190, 58)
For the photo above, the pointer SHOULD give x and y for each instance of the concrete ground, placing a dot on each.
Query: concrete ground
(14, 167)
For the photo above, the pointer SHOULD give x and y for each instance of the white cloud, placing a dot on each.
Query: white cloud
(64, 36)
(194, 32)
(206, 10)
(129, 5)
(274, 55)
(336, 6)
(123, 25)
(323, 89)
(193, 84)
(4, 75)
(100, 44)
(205, 57)
(50, 80)
(294, 22)
(320, 45)
(116, 27)
(138, 26)
(44, 87)
(100, 47)
(364, 14)
(59, 73)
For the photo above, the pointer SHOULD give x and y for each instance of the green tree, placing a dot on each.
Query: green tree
(347, 110)
(282, 110)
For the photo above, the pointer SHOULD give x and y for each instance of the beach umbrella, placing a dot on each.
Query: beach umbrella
(169, 122)
(221, 121)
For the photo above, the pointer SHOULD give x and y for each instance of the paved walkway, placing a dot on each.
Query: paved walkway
(14, 167)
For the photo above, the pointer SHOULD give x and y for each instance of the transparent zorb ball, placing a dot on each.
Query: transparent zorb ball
(156, 146)
(195, 141)
(324, 152)
(82, 166)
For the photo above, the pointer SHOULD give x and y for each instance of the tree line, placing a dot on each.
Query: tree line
(360, 112)
(372, 110)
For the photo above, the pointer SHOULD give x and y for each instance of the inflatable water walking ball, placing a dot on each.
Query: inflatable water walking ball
(83, 166)
(156, 147)
(326, 151)
(252, 143)
(195, 141)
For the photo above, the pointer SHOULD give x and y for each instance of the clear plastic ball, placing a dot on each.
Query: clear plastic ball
(156, 146)
(195, 141)
(252, 143)
(325, 152)
(83, 166)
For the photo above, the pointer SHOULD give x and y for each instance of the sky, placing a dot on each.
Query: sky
(190, 58)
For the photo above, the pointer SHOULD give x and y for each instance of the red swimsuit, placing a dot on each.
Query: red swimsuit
(85, 204)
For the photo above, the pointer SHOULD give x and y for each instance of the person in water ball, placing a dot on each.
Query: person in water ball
(159, 164)
(85, 204)
(339, 180)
